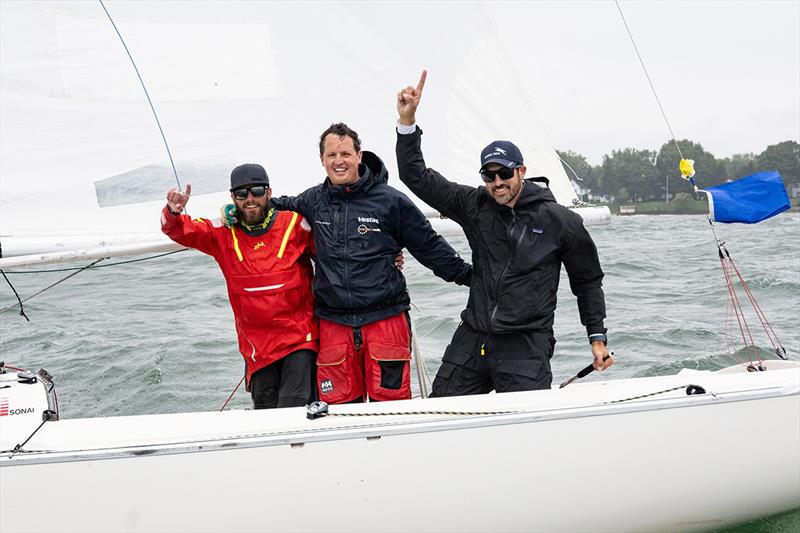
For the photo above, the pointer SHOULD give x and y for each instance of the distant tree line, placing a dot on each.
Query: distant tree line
(630, 174)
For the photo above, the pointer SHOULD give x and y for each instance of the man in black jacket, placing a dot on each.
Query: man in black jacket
(519, 236)
(360, 224)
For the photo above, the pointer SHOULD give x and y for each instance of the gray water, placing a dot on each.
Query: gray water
(157, 336)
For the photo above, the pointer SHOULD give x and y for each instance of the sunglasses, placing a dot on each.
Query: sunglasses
(257, 191)
(504, 173)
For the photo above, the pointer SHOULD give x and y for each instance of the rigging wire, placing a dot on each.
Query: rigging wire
(147, 94)
(47, 416)
(98, 266)
(224, 405)
(647, 75)
(734, 307)
(50, 286)
(564, 162)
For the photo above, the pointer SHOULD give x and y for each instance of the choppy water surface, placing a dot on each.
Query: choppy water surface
(157, 336)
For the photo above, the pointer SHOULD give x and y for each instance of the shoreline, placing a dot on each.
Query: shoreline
(661, 208)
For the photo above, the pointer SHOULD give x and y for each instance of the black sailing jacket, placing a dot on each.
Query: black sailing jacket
(516, 253)
(358, 230)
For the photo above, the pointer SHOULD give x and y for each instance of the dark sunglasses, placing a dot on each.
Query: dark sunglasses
(504, 173)
(257, 191)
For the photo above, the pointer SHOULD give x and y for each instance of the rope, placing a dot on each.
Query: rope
(149, 101)
(729, 266)
(21, 310)
(98, 266)
(768, 331)
(51, 286)
(734, 306)
(423, 378)
(647, 75)
(696, 388)
(447, 413)
(733, 298)
(691, 389)
(47, 417)
(224, 405)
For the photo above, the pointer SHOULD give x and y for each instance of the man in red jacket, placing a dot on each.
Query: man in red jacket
(266, 261)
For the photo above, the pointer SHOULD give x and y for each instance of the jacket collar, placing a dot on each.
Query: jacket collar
(534, 190)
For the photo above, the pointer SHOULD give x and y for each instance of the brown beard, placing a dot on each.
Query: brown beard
(253, 219)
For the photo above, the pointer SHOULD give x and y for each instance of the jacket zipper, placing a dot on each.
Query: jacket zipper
(505, 269)
(346, 253)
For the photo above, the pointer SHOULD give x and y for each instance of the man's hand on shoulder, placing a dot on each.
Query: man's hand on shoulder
(408, 101)
(227, 213)
(177, 200)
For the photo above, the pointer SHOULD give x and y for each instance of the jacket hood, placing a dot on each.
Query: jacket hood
(371, 171)
(376, 167)
(534, 191)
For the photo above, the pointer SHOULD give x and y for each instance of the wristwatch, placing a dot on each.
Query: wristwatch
(598, 337)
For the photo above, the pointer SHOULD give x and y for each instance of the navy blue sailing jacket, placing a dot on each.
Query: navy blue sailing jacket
(358, 230)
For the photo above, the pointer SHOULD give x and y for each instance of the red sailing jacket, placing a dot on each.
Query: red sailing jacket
(268, 277)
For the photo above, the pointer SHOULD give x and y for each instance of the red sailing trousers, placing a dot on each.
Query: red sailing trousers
(371, 361)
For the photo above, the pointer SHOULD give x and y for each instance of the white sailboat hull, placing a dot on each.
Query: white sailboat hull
(556, 460)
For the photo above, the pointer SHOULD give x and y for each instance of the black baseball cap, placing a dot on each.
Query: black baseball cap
(248, 174)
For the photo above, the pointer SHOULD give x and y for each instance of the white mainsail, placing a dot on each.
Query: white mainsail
(235, 82)
(231, 82)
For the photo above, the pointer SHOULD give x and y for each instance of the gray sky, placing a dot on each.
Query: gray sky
(727, 72)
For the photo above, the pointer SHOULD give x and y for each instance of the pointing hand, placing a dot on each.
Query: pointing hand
(177, 200)
(408, 100)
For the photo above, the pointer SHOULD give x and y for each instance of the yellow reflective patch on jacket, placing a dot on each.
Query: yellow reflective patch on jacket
(236, 245)
(286, 235)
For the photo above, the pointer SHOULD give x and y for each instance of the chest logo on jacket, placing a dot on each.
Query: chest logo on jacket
(363, 230)
(259, 245)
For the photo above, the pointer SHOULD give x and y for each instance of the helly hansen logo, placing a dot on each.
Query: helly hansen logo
(326, 386)
(368, 219)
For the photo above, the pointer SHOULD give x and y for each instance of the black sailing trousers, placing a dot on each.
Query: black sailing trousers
(477, 363)
(291, 381)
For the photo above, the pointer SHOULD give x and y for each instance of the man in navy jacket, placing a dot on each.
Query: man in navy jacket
(360, 223)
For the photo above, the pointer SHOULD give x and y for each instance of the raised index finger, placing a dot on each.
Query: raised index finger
(421, 83)
(188, 189)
